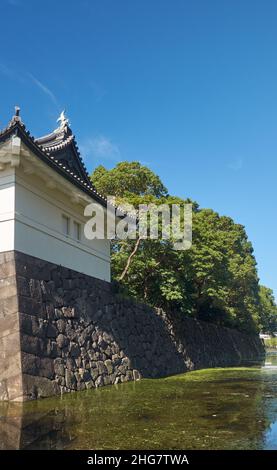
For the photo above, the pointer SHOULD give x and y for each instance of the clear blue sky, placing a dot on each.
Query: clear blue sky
(187, 87)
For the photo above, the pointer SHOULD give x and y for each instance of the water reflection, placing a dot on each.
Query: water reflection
(270, 440)
(212, 409)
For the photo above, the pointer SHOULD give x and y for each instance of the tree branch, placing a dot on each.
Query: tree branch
(125, 271)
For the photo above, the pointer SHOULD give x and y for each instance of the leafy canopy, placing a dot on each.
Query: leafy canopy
(216, 280)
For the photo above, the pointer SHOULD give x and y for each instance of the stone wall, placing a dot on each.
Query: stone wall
(10, 346)
(62, 331)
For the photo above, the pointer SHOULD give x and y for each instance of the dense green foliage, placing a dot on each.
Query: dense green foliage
(216, 280)
(271, 343)
(268, 316)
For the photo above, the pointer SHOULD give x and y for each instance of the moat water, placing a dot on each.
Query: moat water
(210, 409)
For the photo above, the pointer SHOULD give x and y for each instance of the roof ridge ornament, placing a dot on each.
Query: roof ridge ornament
(16, 117)
(64, 122)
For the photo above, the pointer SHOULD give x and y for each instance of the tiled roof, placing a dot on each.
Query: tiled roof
(59, 150)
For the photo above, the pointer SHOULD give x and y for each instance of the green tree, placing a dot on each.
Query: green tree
(268, 311)
(224, 271)
(128, 179)
(216, 280)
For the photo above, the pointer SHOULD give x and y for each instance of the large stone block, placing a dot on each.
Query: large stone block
(11, 388)
(8, 306)
(38, 387)
(9, 324)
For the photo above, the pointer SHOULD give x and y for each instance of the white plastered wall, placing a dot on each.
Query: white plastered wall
(7, 209)
(31, 222)
(39, 214)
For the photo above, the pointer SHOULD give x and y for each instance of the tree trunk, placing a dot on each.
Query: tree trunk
(130, 259)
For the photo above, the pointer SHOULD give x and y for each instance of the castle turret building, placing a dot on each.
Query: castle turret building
(44, 188)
